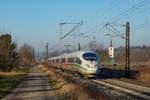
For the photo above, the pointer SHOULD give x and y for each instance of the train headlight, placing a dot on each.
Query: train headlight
(95, 66)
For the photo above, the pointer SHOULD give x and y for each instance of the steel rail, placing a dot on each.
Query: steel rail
(122, 89)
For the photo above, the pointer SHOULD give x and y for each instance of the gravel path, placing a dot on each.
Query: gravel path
(34, 87)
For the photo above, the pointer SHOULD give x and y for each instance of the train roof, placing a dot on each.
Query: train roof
(73, 54)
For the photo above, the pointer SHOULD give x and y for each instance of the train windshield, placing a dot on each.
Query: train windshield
(90, 56)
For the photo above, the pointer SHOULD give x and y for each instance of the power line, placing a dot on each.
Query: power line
(126, 12)
(130, 10)
(92, 33)
(118, 17)
(102, 14)
(73, 29)
(141, 26)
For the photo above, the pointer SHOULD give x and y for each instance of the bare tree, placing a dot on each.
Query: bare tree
(54, 53)
(92, 46)
(103, 53)
(26, 55)
(99, 48)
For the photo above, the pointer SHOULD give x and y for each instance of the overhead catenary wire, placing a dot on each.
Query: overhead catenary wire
(118, 17)
(103, 12)
(114, 30)
(129, 11)
(135, 7)
(83, 39)
(73, 29)
(126, 12)
(140, 26)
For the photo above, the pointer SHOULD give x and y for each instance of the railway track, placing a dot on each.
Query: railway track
(132, 90)
(134, 82)
(135, 91)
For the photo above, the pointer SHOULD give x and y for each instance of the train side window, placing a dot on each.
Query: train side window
(71, 60)
(78, 61)
(63, 60)
(49, 61)
(57, 60)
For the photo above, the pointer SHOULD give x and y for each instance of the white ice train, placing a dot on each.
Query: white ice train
(86, 63)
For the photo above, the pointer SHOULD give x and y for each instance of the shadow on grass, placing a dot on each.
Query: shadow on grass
(106, 73)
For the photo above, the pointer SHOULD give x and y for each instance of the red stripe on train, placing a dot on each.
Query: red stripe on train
(67, 64)
(63, 64)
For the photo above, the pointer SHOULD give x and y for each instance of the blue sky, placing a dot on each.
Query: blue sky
(36, 22)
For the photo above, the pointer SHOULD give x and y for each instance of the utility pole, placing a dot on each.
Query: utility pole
(62, 37)
(79, 47)
(127, 39)
(60, 45)
(46, 50)
(127, 66)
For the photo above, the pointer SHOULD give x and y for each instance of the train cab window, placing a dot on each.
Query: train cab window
(71, 60)
(90, 56)
(49, 61)
(63, 60)
(57, 60)
(78, 61)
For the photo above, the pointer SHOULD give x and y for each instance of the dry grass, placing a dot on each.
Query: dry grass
(144, 74)
(43, 68)
(63, 89)
(16, 72)
(74, 92)
(8, 74)
(68, 91)
(46, 70)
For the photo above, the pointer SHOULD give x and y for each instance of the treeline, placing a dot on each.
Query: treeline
(11, 57)
(138, 54)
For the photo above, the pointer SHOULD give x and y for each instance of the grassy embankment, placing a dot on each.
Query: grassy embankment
(63, 89)
(9, 80)
(144, 74)
(143, 71)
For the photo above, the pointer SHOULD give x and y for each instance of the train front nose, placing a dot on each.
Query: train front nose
(91, 65)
